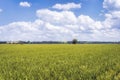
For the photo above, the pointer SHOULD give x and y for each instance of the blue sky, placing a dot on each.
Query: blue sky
(13, 12)
(89, 20)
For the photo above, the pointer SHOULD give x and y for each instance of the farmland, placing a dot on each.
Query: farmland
(60, 62)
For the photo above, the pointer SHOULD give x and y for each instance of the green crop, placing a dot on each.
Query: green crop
(60, 62)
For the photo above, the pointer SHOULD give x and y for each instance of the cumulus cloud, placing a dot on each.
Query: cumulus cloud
(60, 18)
(63, 25)
(25, 4)
(111, 4)
(67, 6)
(35, 31)
(112, 18)
(113, 15)
(60, 26)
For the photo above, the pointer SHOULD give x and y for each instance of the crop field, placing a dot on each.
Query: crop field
(59, 62)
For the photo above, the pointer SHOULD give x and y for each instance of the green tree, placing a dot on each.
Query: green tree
(74, 41)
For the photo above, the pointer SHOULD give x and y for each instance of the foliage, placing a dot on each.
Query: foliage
(60, 62)
(74, 41)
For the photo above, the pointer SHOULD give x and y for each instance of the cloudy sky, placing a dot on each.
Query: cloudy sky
(60, 20)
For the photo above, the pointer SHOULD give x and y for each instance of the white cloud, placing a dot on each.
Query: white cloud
(113, 14)
(25, 4)
(111, 4)
(60, 18)
(67, 6)
(1, 10)
(64, 25)
(112, 20)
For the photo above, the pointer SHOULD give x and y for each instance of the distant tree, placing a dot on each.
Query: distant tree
(74, 41)
(28, 42)
(20, 42)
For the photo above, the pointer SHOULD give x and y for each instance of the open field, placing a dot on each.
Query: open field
(60, 62)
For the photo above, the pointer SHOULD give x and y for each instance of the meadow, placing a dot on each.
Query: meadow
(59, 62)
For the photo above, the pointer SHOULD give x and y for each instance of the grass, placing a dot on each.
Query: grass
(60, 62)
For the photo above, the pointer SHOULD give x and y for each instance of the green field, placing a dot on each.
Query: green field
(60, 62)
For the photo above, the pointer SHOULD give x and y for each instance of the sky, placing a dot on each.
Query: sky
(59, 20)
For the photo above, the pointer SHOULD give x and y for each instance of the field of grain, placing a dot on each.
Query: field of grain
(60, 62)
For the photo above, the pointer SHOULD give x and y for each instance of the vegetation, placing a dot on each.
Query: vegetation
(60, 62)
(74, 41)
